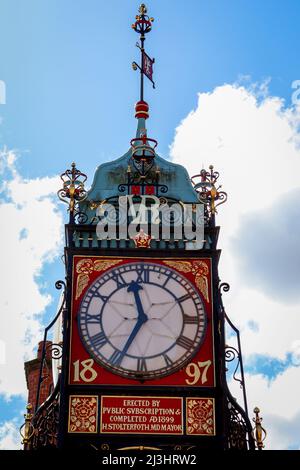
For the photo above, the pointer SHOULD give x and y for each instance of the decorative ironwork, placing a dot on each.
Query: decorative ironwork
(73, 190)
(259, 433)
(142, 150)
(225, 287)
(56, 354)
(46, 422)
(239, 429)
(208, 193)
(232, 354)
(80, 217)
(239, 432)
(142, 179)
(55, 349)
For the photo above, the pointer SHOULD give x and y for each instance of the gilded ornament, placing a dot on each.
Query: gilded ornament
(198, 268)
(85, 267)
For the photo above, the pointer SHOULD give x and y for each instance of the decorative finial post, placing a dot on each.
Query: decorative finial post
(27, 429)
(73, 190)
(259, 433)
(142, 26)
(208, 193)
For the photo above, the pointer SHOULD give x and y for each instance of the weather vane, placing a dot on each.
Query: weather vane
(142, 26)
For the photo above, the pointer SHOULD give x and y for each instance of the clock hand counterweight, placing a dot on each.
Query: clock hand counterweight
(142, 317)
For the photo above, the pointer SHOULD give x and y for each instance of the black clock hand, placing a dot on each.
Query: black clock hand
(142, 317)
(135, 288)
(133, 334)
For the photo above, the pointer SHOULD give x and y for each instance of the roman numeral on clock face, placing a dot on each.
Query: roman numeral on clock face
(185, 342)
(189, 320)
(92, 318)
(116, 358)
(142, 274)
(119, 280)
(96, 293)
(141, 365)
(184, 297)
(99, 340)
(168, 361)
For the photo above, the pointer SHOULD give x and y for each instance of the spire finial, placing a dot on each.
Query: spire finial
(142, 26)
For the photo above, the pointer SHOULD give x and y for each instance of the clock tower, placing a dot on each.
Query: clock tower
(139, 358)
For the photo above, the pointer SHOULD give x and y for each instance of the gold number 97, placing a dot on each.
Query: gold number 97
(197, 372)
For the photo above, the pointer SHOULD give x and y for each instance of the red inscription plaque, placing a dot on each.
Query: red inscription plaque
(141, 415)
(158, 330)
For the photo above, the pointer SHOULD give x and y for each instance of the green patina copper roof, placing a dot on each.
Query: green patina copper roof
(109, 175)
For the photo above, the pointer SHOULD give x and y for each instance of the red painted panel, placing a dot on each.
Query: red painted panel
(84, 370)
(141, 415)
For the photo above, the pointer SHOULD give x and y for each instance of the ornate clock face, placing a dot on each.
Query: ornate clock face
(142, 320)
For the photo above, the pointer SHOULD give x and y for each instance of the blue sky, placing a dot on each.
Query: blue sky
(71, 89)
(70, 93)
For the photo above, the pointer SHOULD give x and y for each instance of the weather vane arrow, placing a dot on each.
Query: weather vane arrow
(142, 26)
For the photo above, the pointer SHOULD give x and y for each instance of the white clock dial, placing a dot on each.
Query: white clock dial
(142, 320)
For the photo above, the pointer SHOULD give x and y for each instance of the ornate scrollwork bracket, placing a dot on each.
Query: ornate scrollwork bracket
(225, 287)
(232, 354)
(54, 348)
(73, 190)
(208, 193)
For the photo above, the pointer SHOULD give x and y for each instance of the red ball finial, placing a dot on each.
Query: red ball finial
(142, 110)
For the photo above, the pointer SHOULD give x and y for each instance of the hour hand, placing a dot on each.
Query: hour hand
(134, 287)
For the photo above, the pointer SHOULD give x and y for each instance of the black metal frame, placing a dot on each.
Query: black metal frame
(56, 349)
(45, 422)
(238, 426)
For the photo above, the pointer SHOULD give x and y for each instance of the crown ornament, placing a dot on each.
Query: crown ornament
(142, 239)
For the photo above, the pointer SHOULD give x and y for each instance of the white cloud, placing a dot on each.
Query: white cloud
(30, 236)
(278, 325)
(279, 404)
(252, 139)
(260, 248)
(10, 438)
